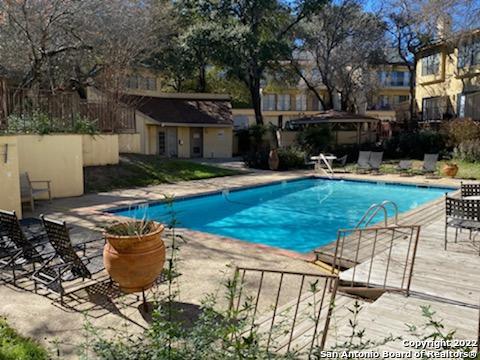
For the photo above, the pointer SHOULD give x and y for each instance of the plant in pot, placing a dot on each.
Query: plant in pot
(134, 254)
(450, 169)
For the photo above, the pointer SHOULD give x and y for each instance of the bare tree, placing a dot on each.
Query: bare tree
(337, 47)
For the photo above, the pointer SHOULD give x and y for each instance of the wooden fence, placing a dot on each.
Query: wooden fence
(63, 109)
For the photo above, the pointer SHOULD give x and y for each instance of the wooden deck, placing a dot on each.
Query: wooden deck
(423, 215)
(446, 281)
(391, 313)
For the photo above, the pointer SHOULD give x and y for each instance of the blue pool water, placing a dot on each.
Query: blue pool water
(298, 215)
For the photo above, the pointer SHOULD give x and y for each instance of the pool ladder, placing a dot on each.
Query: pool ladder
(373, 211)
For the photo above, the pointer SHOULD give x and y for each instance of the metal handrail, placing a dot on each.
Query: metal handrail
(373, 211)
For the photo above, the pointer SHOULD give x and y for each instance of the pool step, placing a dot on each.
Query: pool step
(325, 267)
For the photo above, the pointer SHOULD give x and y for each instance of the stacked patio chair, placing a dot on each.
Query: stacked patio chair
(363, 161)
(461, 214)
(67, 266)
(20, 252)
(404, 167)
(429, 164)
(471, 189)
(375, 161)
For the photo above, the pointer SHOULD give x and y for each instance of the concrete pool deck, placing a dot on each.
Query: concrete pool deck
(205, 259)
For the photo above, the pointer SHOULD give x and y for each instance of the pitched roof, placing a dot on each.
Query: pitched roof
(184, 111)
(333, 116)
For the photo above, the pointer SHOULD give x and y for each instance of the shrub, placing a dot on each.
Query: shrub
(468, 150)
(461, 130)
(40, 123)
(414, 145)
(291, 158)
(257, 159)
(315, 140)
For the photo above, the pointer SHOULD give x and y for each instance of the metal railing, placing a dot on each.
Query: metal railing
(383, 257)
(373, 210)
(296, 318)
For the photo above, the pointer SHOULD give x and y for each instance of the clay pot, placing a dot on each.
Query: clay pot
(273, 159)
(450, 170)
(134, 262)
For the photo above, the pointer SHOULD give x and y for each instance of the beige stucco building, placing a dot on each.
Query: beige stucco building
(183, 125)
(279, 105)
(448, 78)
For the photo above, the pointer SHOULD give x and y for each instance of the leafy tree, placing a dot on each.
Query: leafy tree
(254, 34)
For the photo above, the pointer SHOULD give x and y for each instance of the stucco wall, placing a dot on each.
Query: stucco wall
(9, 175)
(183, 135)
(129, 143)
(100, 150)
(217, 142)
(54, 157)
(450, 81)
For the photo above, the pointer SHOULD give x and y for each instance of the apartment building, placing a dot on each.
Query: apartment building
(281, 104)
(448, 78)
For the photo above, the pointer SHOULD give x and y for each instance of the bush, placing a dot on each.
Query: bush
(315, 140)
(40, 123)
(468, 150)
(461, 130)
(414, 145)
(291, 158)
(257, 159)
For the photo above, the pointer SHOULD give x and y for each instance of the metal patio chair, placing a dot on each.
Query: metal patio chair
(429, 163)
(363, 160)
(341, 163)
(21, 248)
(29, 189)
(461, 214)
(404, 167)
(470, 189)
(67, 265)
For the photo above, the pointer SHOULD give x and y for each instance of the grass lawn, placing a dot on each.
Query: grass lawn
(466, 170)
(143, 170)
(15, 347)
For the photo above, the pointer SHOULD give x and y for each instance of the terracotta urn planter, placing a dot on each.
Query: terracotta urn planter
(273, 159)
(450, 170)
(134, 261)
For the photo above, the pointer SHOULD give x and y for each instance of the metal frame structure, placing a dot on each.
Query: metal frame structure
(376, 241)
(326, 293)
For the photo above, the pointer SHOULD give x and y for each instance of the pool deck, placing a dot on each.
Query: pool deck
(207, 259)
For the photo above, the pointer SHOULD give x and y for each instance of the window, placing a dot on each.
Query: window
(150, 84)
(301, 102)
(161, 143)
(434, 108)
(283, 102)
(469, 105)
(469, 54)
(431, 64)
(384, 102)
(268, 102)
(399, 78)
(132, 82)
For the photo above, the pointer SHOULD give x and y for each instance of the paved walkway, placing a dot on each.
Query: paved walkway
(206, 259)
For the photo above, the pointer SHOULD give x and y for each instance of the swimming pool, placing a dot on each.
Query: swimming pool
(299, 215)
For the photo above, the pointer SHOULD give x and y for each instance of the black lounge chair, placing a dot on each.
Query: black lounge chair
(67, 265)
(461, 214)
(20, 246)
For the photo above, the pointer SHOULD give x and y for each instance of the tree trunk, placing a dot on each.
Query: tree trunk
(254, 88)
(413, 116)
(202, 79)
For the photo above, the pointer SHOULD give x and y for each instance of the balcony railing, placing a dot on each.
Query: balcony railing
(64, 108)
(436, 113)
